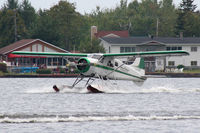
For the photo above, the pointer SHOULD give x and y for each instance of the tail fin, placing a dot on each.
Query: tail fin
(139, 62)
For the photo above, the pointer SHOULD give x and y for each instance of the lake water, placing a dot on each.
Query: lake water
(160, 105)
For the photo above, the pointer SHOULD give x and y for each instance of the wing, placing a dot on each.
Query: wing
(149, 54)
(50, 54)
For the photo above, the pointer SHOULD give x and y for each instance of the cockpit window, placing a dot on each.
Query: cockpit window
(95, 56)
(116, 64)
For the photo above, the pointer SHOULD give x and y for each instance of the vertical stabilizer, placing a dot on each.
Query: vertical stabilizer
(139, 62)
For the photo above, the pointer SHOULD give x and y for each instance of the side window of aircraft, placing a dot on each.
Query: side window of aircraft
(116, 64)
(109, 64)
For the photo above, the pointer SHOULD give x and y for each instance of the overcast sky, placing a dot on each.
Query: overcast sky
(85, 5)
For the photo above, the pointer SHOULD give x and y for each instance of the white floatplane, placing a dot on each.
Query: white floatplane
(107, 66)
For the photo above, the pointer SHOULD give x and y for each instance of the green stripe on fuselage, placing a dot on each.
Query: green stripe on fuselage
(109, 68)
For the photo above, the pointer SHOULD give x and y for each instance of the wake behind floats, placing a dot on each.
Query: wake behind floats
(107, 66)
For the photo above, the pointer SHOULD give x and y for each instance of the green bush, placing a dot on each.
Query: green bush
(1, 73)
(180, 66)
(61, 70)
(76, 71)
(3, 67)
(43, 71)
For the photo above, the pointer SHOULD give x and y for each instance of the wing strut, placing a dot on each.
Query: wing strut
(78, 80)
(114, 69)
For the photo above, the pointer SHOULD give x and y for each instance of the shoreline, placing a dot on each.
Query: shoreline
(176, 75)
(40, 76)
(150, 75)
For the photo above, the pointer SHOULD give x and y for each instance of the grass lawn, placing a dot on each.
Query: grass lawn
(192, 71)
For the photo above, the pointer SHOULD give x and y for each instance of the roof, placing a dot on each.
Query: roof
(141, 40)
(22, 43)
(124, 33)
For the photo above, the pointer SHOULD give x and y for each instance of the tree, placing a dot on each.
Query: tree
(46, 28)
(167, 18)
(12, 4)
(143, 17)
(28, 14)
(187, 6)
(185, 10)
(61, 25)
(88, 46)
(11, 24)
(68, 23)
(191, 25)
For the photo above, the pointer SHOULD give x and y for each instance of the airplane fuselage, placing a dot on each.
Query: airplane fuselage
(113, 69)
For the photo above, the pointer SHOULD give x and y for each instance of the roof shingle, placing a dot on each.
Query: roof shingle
(140, 40)
(16, 45)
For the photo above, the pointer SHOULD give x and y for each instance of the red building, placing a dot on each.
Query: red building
(99, 34)
(35, 45)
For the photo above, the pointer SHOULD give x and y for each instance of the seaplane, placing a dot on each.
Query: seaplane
(106, 66)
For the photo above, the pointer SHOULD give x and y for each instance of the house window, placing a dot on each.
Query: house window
(174, 48)
(171, 63)
(193, 49)
(193, 63)
(179, 48)
(168, 48)
(127, 49)
(122, 50)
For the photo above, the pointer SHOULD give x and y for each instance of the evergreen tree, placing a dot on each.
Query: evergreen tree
(46, 28)
(186, 7)
(12, 4)
(28, 14)
(167, 19)
(11, 24)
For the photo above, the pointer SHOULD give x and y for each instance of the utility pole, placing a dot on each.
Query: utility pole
(15, 23)
(74, 50)
(157, 27)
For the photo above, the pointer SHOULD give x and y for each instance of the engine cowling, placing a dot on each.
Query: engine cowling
(83, 65)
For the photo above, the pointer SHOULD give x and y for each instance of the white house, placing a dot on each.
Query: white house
(136, 44)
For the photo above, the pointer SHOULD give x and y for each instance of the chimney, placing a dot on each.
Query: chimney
(93, 32)
(181, 35)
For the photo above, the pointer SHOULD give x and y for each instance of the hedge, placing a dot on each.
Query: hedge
(43, 71)
(3, 67)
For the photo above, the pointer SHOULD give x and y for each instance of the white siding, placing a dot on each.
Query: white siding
(26, 49)
(105, 45)
(46, 49)
(34, 47)
(115, 49)
(186, 60)
(39, 48)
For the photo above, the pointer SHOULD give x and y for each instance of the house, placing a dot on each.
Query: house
(35, 45)
(152, 64)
